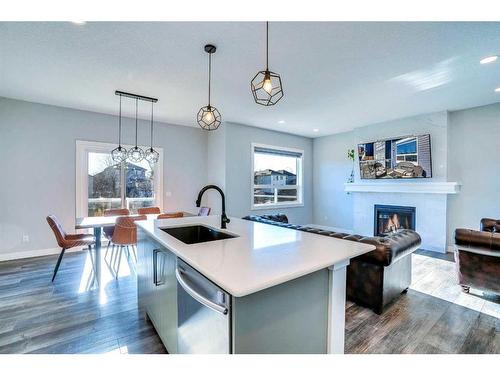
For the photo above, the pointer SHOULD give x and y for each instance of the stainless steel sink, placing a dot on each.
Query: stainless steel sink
(196, 234)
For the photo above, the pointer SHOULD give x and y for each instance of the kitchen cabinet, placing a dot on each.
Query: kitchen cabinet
(157, 288)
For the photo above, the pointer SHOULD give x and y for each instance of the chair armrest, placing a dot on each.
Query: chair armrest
(490, 225)
(468, 238)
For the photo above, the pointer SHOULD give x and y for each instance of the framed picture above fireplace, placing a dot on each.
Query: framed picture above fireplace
(403, 157)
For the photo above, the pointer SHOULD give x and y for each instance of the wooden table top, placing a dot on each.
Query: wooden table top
(109, 221)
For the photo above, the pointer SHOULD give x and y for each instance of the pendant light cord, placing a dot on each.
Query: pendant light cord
(120, 125)
(267, 45)
(151, 125)
(209, 75)
(136, 104)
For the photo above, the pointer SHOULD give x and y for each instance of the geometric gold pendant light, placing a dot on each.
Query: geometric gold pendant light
(266, 85)
(209, 117)
(119, 154)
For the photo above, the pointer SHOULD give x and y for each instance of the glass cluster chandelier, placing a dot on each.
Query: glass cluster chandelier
(135, 154)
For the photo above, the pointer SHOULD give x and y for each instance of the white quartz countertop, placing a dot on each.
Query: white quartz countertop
(260, 257)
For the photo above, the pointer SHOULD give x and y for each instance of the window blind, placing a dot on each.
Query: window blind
(271, 151)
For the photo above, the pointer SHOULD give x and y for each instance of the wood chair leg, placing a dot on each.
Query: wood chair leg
(58, 263)
(119, 262)
(92, 258)
(134, 251)
(116, 254)
(107, 249)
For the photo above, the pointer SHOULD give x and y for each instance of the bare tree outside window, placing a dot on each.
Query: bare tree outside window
(106, 180)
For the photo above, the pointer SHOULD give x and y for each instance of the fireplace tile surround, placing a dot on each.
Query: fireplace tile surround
(430, 217)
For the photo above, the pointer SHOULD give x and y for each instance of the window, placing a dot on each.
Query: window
(406, 150)
(276, 176)
(103, 184)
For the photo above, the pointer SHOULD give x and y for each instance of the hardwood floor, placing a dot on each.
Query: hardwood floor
(435, 316)
(37, 316)
(68, 316)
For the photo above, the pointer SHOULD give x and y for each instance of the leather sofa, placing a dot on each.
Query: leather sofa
(376, 278)
(477, 256)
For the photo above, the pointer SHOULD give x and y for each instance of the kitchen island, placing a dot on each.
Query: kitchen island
(261, 289)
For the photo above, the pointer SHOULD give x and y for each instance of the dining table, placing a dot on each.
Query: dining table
(97, 223)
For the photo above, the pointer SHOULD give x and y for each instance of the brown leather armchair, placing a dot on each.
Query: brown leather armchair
(477, 256)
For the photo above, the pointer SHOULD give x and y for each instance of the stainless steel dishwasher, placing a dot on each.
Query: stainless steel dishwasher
(204, 313)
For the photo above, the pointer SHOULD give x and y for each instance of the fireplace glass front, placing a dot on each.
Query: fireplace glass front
(390, 219)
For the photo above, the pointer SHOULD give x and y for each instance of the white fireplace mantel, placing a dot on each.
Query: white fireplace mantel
(404, 187)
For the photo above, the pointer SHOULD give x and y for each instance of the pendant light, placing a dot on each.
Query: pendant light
(119, 154)
(135, 154)
(266, 86)
(209, 117)
(151, 155)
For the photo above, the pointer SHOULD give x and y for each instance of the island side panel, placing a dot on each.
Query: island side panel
(157, 294)
(336, 307)
(287, 318)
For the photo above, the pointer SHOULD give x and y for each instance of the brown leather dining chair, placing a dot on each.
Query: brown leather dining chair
(124, 236)
(148, 210)
(67, 241)
(172, 215)
(108, 231)
(204, 211)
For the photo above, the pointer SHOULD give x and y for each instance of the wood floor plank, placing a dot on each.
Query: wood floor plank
(37, 316)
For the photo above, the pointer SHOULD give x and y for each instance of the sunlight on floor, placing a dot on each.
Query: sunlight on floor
(87, 280)
(438, 278)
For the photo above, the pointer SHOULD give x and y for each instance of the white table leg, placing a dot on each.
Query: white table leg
(336, 308)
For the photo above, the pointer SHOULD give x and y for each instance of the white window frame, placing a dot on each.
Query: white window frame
(299, 186)
(81, 192)
(405, 155)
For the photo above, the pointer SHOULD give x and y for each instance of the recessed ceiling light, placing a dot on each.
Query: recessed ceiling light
(281, 121)
(79, 22)
(488, 59)
(315, 130)
(497, 89)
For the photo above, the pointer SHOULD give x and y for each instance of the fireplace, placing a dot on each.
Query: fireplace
(392, 218)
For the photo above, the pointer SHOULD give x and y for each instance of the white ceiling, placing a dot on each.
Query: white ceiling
(336, 75)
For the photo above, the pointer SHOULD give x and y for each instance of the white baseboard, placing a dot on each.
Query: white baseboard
(333, 229)
(35, 253)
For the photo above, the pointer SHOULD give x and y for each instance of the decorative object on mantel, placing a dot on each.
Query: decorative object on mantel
(135, 154)
(350, 156)
(266, 86)
(209, 117)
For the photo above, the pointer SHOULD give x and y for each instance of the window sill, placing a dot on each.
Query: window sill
(276, 206)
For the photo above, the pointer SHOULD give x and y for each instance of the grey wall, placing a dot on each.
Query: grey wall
(473, 159)
(239, 139)
(216, 167)
(332, 206)
(465, 147)
(37, 153)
